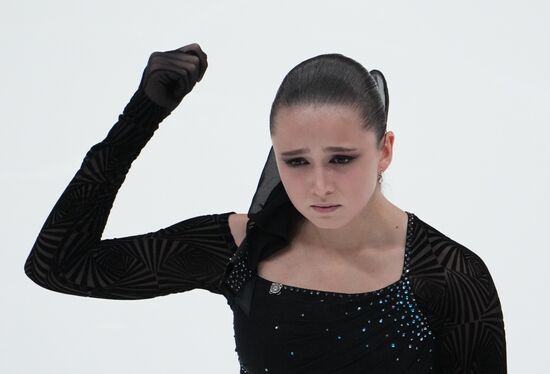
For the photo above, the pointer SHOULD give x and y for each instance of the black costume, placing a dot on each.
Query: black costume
(442, 316)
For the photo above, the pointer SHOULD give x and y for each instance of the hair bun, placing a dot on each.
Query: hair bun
(382, 87)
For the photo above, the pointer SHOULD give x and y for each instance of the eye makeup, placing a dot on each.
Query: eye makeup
(343, 161)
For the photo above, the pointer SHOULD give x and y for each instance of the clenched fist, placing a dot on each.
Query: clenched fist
(171, 75)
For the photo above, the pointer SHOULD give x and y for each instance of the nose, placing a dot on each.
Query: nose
(322, 182)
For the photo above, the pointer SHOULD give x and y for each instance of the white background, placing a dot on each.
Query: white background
(468, 86)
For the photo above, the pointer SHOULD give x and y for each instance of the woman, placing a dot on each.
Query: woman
(361, 286)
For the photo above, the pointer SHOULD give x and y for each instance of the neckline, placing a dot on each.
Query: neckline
(277, 286)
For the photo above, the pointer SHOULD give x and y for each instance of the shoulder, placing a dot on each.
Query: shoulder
(469, 287)
(467, 313)
(237, 224)
(450, 253)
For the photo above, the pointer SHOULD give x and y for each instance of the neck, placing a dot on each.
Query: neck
(381, 225)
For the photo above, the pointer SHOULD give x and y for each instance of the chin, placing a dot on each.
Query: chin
(327, 224)
(326, 221)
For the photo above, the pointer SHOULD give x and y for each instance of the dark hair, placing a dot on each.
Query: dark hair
(336, 79)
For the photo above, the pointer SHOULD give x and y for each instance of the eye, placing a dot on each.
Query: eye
(343, 160)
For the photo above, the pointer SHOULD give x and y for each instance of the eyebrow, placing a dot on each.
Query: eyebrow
(326, 149)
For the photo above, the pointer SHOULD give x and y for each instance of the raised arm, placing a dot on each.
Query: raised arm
(69, 256)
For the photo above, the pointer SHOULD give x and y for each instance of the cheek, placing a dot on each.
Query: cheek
(357, 185)
(296, 191)
(293, 184)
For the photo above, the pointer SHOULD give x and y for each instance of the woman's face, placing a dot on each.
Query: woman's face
(318, 176)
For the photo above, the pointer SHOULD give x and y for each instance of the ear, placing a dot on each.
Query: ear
(387, 151)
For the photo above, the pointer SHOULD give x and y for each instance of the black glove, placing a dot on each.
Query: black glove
(171, 75)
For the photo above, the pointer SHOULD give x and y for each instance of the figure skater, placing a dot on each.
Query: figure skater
(323, 273)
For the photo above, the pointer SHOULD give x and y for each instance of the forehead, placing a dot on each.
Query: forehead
(322, 125)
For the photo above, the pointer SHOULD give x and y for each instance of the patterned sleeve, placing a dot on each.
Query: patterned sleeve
(70, 257)
(474, 341)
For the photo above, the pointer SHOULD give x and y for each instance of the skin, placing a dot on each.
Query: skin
(366, 224)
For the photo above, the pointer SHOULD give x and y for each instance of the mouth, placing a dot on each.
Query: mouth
(325, 208)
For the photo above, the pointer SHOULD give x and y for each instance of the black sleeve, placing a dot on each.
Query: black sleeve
(475, 338)
(70, 257)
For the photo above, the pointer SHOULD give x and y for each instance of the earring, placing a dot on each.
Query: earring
(380, 177)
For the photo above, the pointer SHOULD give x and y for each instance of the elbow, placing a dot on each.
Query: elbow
(32, 273)
(41, 277)
(28, 268)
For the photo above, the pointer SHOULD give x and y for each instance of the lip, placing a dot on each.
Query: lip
(325, 209)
